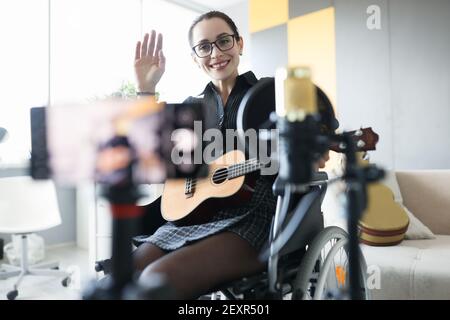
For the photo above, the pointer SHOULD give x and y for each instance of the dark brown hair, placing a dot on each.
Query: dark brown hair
(210, 15)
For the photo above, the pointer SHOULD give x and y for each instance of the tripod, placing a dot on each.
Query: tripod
(122, 193)
(122, 284)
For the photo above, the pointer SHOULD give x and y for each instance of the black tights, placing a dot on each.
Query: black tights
(201, 266)
(197, 268)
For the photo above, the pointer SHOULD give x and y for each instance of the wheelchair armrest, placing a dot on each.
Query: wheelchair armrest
(278, 185)
(319, 176)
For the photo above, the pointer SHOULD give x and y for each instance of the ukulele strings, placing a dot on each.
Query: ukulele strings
(251, 164)
(234, 169)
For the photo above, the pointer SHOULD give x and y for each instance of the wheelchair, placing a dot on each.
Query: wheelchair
(310, 263)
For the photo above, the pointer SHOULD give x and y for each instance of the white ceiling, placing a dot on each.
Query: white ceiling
(217, 4)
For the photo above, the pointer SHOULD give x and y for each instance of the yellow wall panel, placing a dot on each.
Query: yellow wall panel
(311, 42)
(267, 13)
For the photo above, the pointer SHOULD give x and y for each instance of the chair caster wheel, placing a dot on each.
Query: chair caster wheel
(65, 282)
(12, 295)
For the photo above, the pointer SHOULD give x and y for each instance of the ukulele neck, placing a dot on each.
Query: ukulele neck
(241, 169)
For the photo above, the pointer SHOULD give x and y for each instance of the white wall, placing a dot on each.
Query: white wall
(420, 71)
(397, 79)
(239, 12)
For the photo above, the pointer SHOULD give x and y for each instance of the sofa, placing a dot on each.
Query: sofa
(417, 269)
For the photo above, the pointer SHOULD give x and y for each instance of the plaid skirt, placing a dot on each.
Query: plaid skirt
(251, 222)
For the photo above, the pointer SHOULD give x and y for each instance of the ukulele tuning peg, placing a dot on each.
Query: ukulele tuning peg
(360, 144)
(358, 133)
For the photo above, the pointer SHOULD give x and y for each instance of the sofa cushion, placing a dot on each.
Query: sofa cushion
(427, 194)
(416, 229)
(414, 269)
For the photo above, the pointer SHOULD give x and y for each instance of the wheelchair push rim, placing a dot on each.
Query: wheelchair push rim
(318, 269)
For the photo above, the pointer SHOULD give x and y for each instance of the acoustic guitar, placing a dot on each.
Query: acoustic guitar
(194, 201)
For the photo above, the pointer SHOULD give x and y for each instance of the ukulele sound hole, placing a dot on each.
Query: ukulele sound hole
(220, 176)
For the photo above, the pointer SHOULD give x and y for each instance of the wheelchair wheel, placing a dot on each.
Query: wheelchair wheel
(323, 271)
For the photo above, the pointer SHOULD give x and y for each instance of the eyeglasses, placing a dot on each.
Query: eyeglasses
(205, 49)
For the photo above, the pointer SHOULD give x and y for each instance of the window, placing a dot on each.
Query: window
(92, 47)
(78, 50)
(23, 72)
(182, 77)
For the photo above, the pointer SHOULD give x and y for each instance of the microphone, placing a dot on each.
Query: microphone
(298, 124)
(295, 93)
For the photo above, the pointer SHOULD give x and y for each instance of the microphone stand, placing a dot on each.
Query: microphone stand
(299, 140)
(357, 178)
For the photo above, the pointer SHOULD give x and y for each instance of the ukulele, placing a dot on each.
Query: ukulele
(384, 221)
(195, 201)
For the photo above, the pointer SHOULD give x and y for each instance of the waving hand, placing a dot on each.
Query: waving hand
(149, 62)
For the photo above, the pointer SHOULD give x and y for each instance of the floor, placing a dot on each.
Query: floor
(71, 258)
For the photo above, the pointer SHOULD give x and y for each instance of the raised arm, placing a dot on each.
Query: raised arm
(149, 62)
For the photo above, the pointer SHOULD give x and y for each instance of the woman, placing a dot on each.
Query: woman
(197, 258)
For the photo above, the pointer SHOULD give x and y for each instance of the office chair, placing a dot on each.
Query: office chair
(28, 206)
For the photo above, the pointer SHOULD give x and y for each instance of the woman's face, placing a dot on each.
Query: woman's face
(220, 65)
